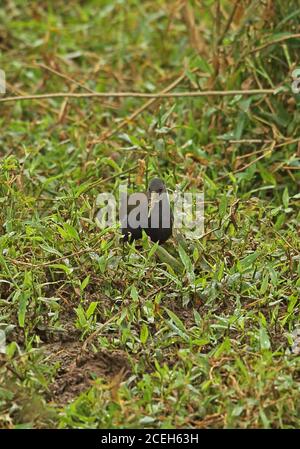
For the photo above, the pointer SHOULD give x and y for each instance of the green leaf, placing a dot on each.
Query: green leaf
(200, 341)
(264, 339)
(153, 250)
(242, 368)
(166, 258)
(176, 320)
(248, 260)
(50, 250)
(197, 317)
(23, 301)
(240, 125)
(144, 333)
(264, 284)
(202, 64)
(220, 272)
(62, 267)
(286, 197)
(91, 309)
(81, 316)
(280, 221)
(195, 254)
(134, 293)
(165, 116)
(265, 421)
(185, 259)
(84, 283)
(223, 348)
(237, 410)
(68, 232)
(147, 420)
(266, 175)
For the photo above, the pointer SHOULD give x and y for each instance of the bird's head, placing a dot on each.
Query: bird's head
(156, 186)
(155, 192)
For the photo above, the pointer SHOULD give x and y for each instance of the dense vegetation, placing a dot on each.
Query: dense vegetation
(204, 332)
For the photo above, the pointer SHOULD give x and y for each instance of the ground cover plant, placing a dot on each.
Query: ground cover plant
(197, 333)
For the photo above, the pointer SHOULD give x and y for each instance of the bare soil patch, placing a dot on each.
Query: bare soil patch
(78, 369)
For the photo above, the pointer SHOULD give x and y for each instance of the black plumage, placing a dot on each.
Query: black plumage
(157, 215)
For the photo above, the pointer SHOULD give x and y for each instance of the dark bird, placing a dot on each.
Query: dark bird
(153, 214)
